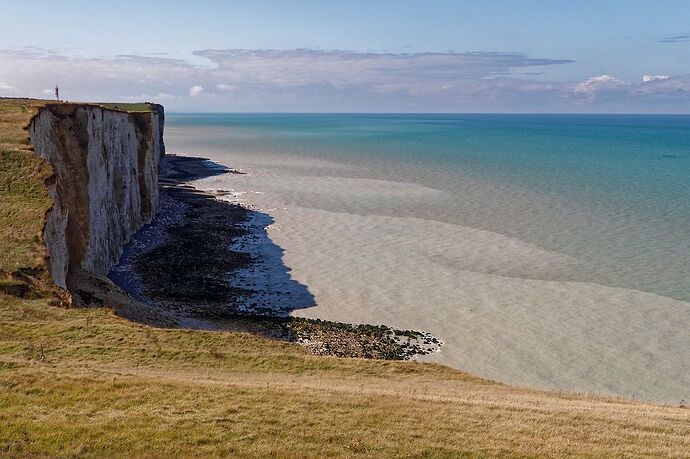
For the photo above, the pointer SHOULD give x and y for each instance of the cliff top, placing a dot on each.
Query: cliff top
(130, 108)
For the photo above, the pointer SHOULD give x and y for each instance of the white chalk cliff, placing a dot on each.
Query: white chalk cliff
(105, 185)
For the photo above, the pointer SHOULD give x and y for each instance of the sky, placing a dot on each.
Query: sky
(613, 56)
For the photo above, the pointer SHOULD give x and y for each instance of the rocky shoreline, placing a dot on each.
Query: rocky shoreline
(181, 264)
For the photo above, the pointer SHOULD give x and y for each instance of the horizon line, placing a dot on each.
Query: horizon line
(199, 112)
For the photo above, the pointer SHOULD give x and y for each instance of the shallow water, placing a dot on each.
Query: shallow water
(545, 250)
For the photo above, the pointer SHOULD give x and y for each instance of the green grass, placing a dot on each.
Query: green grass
(125, 107)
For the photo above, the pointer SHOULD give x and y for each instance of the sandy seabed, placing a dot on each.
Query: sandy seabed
(499, 304)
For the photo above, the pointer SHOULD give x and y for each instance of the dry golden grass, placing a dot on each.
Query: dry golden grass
(24, 197)
(85, 382)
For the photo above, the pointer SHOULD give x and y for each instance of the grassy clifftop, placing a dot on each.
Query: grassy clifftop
(126, 107)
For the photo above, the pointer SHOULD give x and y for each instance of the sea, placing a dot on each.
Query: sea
(544, 250)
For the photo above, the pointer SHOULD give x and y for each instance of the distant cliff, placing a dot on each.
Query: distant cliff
(105, 183)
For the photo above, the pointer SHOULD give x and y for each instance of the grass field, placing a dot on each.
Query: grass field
(84, 382)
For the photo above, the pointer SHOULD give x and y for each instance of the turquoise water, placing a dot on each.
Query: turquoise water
(611, 191)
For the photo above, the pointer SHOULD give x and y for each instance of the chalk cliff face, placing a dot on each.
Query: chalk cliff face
(105, 185)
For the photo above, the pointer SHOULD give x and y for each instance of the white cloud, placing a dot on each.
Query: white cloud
(6, 88)
(603, 79)
(597, 83)
(196, 90)
(674, 89)
(309, 80)
(342, 70)
(222, 87)
(653, 93)
(648, 78)
(161, 96)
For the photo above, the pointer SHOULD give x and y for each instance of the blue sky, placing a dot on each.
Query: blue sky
(376, 55)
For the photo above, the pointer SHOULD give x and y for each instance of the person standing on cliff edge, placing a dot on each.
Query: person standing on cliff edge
(57, 93)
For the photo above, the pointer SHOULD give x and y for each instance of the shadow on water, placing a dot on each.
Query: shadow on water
(207, 258)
